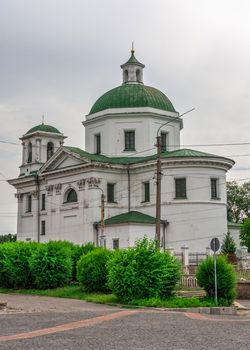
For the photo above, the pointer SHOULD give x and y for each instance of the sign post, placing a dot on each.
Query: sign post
(215, 246)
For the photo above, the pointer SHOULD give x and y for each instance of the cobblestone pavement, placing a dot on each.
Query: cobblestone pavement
(53, 324)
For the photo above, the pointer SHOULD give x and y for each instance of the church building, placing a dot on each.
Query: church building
(106, 194)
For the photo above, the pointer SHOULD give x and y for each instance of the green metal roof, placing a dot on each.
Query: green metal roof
(43, 127)
(133, 95)
(131, 217)
(181, 153)
(133, 60)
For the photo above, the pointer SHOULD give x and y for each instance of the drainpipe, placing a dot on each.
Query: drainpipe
(129, 192)
(38, 207)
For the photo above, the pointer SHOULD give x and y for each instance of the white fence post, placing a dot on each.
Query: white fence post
(185, 254)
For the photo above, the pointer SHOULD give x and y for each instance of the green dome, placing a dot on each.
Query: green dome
(132, 95)
(45, 128)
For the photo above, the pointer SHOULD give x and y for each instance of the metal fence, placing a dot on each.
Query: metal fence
(196, 258)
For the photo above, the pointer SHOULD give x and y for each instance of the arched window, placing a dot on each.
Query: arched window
(71, 196)
(50, 150)
(138, 76)
(125, 76)
(29, 160)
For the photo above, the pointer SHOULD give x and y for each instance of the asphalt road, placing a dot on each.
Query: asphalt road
(53, 324)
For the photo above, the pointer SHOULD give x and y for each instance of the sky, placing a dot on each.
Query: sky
(58, 56)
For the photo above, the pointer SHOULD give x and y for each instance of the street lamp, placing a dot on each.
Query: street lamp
(158, 179)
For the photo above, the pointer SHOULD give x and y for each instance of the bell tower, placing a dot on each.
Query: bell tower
(39, 144)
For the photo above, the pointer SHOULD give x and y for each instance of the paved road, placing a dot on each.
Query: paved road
(53, 324)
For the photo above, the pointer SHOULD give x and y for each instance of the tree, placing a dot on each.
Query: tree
(238, 201)
(228, 245)
(245, 233)
(226, 279)
(7, 238)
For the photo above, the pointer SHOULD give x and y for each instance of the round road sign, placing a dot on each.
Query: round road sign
(215, 244)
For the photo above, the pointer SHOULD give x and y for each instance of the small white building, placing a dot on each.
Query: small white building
(59, 187)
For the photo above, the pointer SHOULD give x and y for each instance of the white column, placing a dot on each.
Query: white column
(185, 252)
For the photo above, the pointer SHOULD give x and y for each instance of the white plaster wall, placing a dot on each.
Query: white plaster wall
(192, 221)
(127, 234)
(145, 128)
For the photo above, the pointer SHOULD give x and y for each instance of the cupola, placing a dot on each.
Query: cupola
(132, 70)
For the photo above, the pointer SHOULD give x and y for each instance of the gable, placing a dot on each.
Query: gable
(68, 162)
(61, 160)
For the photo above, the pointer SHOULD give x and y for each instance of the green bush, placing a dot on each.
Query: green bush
(226, 279)
(51, 265)
(245, 234)
(142, 272)
(4, 280)
(92, 270)
(14, 264)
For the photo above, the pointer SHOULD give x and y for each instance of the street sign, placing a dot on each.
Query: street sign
(215, 244)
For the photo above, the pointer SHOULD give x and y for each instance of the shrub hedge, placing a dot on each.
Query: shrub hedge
(142, 272)
(51, 265)
(14, 264)
(226, 279)
(92, 270)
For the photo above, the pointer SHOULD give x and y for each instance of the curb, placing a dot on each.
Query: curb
(220, 310)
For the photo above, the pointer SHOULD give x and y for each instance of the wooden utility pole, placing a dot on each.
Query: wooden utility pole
(158, 179)
(158, 192)
(102, 216)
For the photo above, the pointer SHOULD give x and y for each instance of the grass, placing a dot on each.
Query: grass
(75, 292)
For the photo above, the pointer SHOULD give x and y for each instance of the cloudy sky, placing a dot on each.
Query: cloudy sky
(58, 56)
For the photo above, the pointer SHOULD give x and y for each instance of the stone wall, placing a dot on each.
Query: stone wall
(243, 290)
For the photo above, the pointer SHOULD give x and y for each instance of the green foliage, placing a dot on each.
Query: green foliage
(76, 252)
(51, 265)
(173, 302)
(7, 238)
(142, 272)
(15, 264)
(238, 200)
(228, 245)
(226, 279)
(245, 234)
(92, 270)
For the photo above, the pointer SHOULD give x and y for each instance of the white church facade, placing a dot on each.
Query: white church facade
(59, 188)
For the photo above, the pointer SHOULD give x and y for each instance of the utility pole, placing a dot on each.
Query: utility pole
(158, 179)
(158, 192)
(102, 216)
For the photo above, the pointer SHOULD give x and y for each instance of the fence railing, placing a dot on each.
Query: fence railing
(196, 258)
(188, 281)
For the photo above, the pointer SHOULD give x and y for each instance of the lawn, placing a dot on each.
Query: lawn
(75, 292)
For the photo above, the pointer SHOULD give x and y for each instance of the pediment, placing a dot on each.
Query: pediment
(63, 160)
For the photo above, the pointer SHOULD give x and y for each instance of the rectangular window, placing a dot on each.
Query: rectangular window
(146, 189)
(214, 188)
(110, 193)
(129, 140)
(116, 243)
(98, 144)
(43, 207)
(43, 227)
(28, 203)
(163, 141)
(180, 188)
